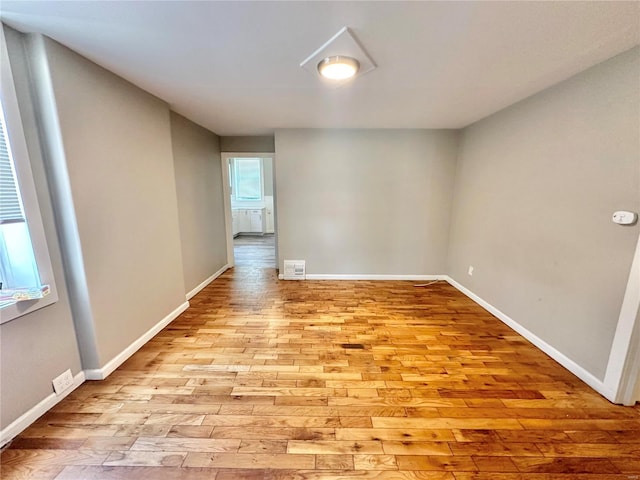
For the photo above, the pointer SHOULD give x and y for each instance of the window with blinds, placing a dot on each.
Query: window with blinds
(247, 179)
(11, 210)
(18, 266)
(27, 282)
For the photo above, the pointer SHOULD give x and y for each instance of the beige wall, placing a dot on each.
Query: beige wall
(37, 347)
(247, 144)
(117, 147)
(267, 173)
(365, 201)
(536, 186)
(196, 156)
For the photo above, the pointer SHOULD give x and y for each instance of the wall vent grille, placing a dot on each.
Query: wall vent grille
(294, 270)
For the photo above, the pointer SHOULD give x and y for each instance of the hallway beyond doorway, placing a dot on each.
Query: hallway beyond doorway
(255, 251)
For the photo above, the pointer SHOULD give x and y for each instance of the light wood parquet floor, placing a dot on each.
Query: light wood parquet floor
(267, 379)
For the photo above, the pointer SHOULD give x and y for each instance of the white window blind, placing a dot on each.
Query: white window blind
(248, 179)
(10, 206)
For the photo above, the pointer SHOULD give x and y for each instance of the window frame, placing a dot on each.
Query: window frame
(27, 188)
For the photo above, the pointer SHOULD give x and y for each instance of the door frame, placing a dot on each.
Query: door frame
(226, 194)
(623, 369)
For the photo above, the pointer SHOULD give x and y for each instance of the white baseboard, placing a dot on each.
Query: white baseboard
(558, 356)
(196, 290)
(340, 276)
(115, 362)
(17, 426)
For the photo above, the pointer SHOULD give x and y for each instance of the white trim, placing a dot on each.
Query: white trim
(196, 290)
(622, 369)
(23, 421)
(226, 201)
(340, 276)
(115, 362)
(558, 356)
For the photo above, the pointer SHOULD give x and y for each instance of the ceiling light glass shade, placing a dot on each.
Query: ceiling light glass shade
(338, 67)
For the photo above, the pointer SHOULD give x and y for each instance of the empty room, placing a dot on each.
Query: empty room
(319, 240)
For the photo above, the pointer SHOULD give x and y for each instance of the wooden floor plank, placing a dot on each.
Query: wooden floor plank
(136, 473)
(250, 460)
(267, 379)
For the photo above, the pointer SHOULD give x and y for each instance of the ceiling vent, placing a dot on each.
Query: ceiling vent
(342, 44)
(294, 270)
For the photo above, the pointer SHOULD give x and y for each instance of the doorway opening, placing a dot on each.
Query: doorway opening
(250, 209)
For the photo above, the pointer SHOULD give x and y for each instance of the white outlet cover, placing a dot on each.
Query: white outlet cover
(62, 382)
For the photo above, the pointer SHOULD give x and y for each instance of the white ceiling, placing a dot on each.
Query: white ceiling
(233, 67)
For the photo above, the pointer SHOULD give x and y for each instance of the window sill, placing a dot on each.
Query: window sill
(247, 205)
(24, 301)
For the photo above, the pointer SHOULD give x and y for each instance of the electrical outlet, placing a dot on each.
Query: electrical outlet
(470, 271)
(62, 382)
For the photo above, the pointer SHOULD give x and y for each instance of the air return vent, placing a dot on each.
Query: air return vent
(294, 269)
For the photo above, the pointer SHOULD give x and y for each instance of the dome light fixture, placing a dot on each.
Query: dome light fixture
(338, 67)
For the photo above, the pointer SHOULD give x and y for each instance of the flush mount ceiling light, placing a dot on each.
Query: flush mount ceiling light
(338, 67)
(339, 59)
